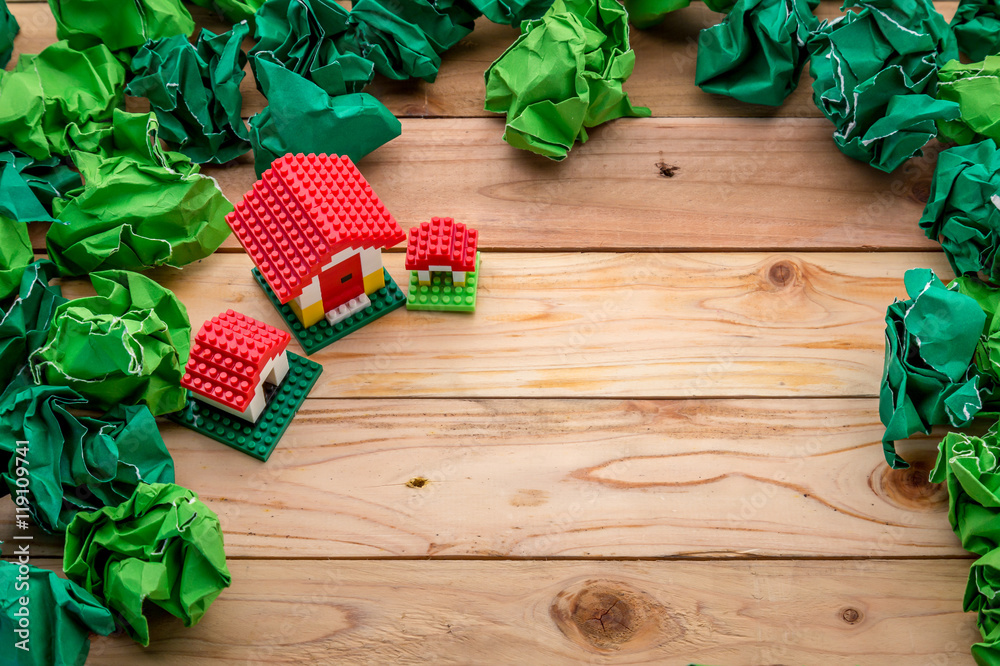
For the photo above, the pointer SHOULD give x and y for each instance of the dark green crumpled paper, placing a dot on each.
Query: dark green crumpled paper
(302, 118)
(971, 467)
(119, 24)
(28, 186)
(976, 89)
(126, 345)
(961, 211)
(194, 89)
(15, 254)
(976, 25)
(562, 75)
(60, 615)
(59, 89)
(872, 69)
(162, 545)
(501, 11)
(233, 11)
(25, 318)
(77, 463)
(929, 377)
(647, 13)
(8, 31)
(140, 206)
(758, 51)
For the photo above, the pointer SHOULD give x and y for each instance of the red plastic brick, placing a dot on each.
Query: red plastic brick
(302, 211)
(442, 242)
(228, 355)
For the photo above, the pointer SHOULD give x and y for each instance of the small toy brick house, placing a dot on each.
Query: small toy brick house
(315, 230)
(442, 245)
(232, 359)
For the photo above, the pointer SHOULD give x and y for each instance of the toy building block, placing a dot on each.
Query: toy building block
(315, 230)
(443, 258)
(245, 387)
(442, 245)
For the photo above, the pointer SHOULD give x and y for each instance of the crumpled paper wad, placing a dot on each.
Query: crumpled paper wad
(15, 254)
(25, 318)
(975, 88)
(970, 466)
(8, 31)
(162, 545)
(119, 24)
(28, 186)
(976, 25)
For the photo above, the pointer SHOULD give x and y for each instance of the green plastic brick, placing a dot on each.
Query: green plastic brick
(441, 294)
(260, 438)
(320, 335)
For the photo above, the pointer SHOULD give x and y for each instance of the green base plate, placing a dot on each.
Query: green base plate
(254, 439)
(441, 294)
(320, 335)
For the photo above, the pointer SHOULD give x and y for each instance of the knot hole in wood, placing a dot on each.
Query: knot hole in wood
(911, 488)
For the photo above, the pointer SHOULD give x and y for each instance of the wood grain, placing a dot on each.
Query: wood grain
(838, 613)
(570, 478)
(663, 79)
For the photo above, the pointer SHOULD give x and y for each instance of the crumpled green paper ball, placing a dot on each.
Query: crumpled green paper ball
(126, 345)
(162, 545)
(758, 51)
(975, 88)
(61, 615)
(500, 11)
(28, 186)
(299, 36)
(982, 596)
(971, 467)
(59, 89)
(562, 75)
(647, 13)
(872, 69)
(15, 254)
(140, 206)
(76, 463)
(194, 90)
(8, 31)
(929, 377)
(233, 11)
(961, 211)
(976, 25)
(25, 318)
(119, 24)
(302, 118)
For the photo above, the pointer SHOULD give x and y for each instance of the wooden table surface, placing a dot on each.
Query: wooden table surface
(656, 440)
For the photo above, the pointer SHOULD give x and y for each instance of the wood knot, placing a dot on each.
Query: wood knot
(667, 170)
(852, 615)
(417, 482)
(921, 191)
(911, 488)
(612, 616)
(781, 274)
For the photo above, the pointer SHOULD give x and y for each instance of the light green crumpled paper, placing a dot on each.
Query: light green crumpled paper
(162, 545)
(929, 377)
(194, 89)
(976, 89)
(57, 90)
(28, 186)
(647, 13)
(119, 24)
(971, 467)
(140, 206)
(982, 596)
(8, 31)
(126, 345)
(976, 25)
(758, 51)
(563, 74)
(233, 11)
(872, 69)
(961, 211)
(60, 616)
(76, 463)
(15, 254)
(302, 118)
(25, 318)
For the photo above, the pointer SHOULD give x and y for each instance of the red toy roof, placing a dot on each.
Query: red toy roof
(442, 242)
(227, 356)
(302, 211)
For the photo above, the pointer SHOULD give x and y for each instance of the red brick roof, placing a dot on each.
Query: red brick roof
(227, 356)
(302, 211)
(442, 242)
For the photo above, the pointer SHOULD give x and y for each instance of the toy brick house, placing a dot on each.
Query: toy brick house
(233, 359)
(315, 230)
(442, 245)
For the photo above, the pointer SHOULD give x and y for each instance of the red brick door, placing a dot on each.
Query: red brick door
(341, 283)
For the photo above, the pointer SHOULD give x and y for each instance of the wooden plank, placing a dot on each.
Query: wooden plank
(671, 613)
(663, 79)
(569, 478)
(609, 325)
